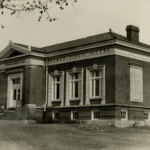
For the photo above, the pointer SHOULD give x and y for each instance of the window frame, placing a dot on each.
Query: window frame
(89, 97)
(69, 97)
(51, 98)
(126, 117)
(92, 114)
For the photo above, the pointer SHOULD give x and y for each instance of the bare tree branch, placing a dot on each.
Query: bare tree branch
(29, 6)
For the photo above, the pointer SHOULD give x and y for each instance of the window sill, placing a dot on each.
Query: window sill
(124, 119)
(93, 98)
(74, 119)
(56, 101)
(95, 119)
(74, 100)
(136, 101)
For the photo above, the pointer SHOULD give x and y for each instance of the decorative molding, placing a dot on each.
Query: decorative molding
(14, 71)
(38, 54)
(31, 66)
(15, 63)
(34, 61)
(56, 73)
(75, 70)
(85, 55)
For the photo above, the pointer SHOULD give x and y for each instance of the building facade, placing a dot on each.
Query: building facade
(100, 79)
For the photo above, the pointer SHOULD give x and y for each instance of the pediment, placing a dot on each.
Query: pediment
(13, 51)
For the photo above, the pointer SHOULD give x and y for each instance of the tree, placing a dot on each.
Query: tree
(30, 6)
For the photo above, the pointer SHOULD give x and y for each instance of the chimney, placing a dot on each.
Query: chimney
(132, 33)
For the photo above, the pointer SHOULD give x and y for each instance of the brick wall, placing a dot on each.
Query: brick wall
(34, 85)
(84, 113)
(108, 61)
(122, 81)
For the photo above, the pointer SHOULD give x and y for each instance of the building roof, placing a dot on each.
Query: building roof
(84, 41)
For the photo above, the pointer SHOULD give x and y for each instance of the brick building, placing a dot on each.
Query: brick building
(99, 79)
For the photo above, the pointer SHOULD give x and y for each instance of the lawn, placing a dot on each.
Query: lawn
(71, 137)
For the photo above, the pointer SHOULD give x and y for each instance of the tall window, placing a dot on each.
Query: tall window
(75, 85)
(136, 84)
(56, 88)
(96, 83)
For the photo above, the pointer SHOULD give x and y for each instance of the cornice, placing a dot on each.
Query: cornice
(69, 55)
(134, 46)
(81, 56)
(22, 62)
(131, 55)
(38, 54)
(14, 71)
(79, 49)
(102, 44)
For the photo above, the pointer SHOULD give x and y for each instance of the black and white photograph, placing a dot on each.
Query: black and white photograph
(74, 74)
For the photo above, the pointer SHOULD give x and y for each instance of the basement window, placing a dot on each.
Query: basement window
(95, 114)
(55, 115)
(124, 115)
(74, 115)
(146, 116)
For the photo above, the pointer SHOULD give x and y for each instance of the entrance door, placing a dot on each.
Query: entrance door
(14, 92)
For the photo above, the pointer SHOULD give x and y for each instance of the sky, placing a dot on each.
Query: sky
(82, 19)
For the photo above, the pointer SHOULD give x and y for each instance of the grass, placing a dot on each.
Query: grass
(71, 137)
